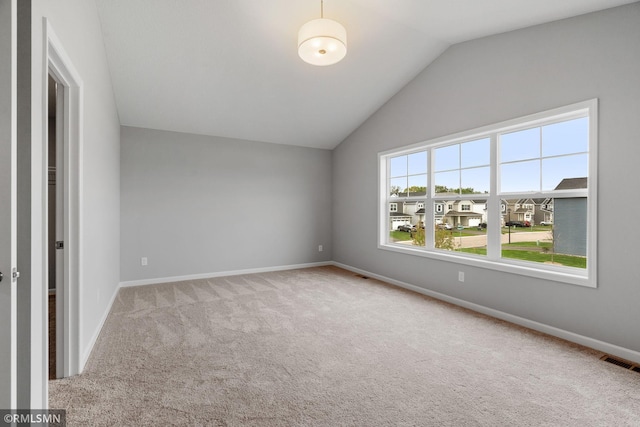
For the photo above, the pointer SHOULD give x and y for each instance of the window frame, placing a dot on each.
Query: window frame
(493, 260)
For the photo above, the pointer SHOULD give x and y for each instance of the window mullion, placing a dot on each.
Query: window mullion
(385, 198)
(494, 213)
(540, 160)
(429, 205)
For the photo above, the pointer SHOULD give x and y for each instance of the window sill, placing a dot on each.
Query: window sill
(560, 274)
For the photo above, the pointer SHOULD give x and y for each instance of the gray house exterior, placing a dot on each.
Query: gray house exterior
(570, 220)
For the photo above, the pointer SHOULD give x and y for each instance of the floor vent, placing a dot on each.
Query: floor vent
(361, 276)
(620, 362)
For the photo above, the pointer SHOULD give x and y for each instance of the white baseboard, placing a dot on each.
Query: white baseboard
(612, 349)
(222, 274)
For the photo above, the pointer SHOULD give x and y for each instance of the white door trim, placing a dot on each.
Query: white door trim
(8, 214)
(61, 67)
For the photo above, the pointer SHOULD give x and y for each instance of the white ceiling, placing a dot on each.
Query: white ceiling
(230, 67)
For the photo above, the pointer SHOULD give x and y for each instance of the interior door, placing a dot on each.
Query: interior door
(8, 64)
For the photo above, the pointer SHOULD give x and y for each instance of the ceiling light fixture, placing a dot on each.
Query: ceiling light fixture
(322, 41)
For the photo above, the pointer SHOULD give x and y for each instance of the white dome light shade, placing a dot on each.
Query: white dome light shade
(322, 42)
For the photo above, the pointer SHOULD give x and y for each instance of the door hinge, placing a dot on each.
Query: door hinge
(15, 274)
(59, 244)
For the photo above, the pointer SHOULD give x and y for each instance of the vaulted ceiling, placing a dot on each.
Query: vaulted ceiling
(230, 67)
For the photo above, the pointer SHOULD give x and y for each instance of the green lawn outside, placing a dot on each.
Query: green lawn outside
(512, 251)
(473, 231)
(399, 236)
(567, 260)
(541, 244)
(505, 230)
(525, 251)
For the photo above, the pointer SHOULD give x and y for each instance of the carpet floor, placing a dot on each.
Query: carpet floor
(324, 347)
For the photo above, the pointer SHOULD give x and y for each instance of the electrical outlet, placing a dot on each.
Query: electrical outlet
(143, 260)
(460, 276)
(320, 248)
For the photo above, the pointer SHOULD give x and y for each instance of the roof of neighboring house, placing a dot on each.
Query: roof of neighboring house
(457, 213)
(572, 184)
(413, 194)
(528, 201)
(420, 211)
(399, 214)
(513, 202)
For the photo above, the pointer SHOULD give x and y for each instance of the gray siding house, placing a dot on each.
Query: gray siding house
(570, 220)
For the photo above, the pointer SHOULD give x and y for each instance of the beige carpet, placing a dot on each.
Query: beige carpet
(323, 347)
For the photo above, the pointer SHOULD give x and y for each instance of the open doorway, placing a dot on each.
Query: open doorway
(66, 96)
(56, 223)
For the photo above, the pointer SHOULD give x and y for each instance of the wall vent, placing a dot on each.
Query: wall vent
(621, 362)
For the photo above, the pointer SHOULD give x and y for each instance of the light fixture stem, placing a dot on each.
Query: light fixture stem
(321, 8)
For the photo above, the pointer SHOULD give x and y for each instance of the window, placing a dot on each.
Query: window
(393, 207)
(520, 196)
(408, 174)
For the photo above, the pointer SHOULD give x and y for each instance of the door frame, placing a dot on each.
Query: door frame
(59, 227)
(8, 174)
(59, 65)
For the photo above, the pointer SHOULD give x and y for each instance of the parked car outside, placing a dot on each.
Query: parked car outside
(445, 226)
(546, 222)
(407, 227)
(514, 224)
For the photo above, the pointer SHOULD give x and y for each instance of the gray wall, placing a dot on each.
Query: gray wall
(198, 204)
(493, 79)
